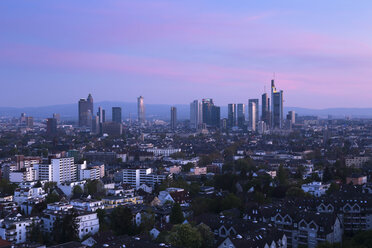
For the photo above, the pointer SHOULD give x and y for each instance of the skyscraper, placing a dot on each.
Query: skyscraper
(252, 117)
(141, 110)
(291, 116)
(101, 115)
(265, 114)
(173, 118)
(231, 115)
(241, 114)
(86, 111)
(211, 113)
(196, 114)
(51, 126)
(101, 118)
(276, 107)
(116, 114)
(255, 114)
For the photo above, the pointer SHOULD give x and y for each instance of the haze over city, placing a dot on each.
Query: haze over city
(173, 52)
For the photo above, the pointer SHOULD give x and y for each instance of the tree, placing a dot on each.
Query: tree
(66, 228)
(206, 235)
(52, 197)
(36, 236)
(176, 216)
(77, 192)
(187, 167)
(121, 221)
(6, 187)
(147, 221)
(101, 214)
(295, 192)
(282, 175)
(185, 236)
(334, 187)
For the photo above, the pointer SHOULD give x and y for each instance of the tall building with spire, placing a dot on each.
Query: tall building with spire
(276, 107)
(141, 110)
(86, 111)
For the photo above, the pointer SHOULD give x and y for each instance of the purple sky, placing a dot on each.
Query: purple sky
(55, 52)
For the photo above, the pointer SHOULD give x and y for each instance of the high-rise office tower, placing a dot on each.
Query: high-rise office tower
(116, 114)
(51, 126)
(173, 118)
(276, 107)
(101, 115)
(86, 111)
(241, 114)
(95, 125)
(141, 110)
(231, 115)
(196, 114)
(255, 114)
(211, 113)
(101, 118)
(57, 117)
(216, 116)
(265, 113)
(252, 119)
(291, 116)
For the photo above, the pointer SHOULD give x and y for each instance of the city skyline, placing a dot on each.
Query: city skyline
(191, 49)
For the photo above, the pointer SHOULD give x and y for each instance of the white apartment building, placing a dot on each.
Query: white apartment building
(89, 205)
(94, 172)
(44, 172)
(23, 194)
(137, 177)
(315, 188)
(27, 174)
(64, 170)
(163, 151)
(87, 222)
(357, 162)
(15, 228)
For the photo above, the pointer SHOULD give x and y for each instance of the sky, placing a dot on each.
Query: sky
(172, 52)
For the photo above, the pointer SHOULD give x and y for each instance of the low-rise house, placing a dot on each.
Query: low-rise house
(23, 194)
(356, 179)
(315, 188)
(116, 201)
(89, 205)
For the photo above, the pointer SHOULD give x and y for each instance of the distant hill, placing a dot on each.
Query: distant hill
(162, 111)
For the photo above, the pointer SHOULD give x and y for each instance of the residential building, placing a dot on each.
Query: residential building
(63, 170)
(16, 228)
(315, 188)
(87, 222)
